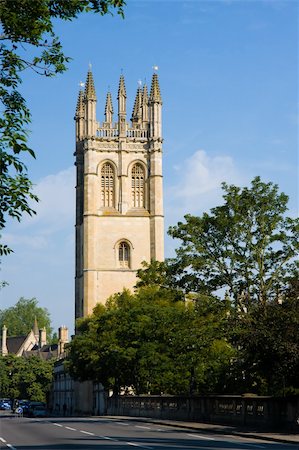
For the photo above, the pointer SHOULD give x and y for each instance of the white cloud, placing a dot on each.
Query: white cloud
(42, 264)
(198, 188)
(57, 198)
(34, 242)
(55, 213)
(200, 178)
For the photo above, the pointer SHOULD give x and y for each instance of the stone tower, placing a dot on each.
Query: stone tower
(119, 192)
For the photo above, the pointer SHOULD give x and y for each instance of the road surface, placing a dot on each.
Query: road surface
(114, 434)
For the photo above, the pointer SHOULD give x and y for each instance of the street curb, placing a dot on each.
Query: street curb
(232, 432)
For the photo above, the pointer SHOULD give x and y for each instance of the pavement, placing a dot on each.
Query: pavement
(282, 437)
(274, 436)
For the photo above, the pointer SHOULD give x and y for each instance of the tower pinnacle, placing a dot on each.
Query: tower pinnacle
(155, 94)
(144, 106)
(122, 95)
(137, 113)
(89, 87)
(79, 115)
(80, 105)
(122, 107)
(108, 109)
(90, 99)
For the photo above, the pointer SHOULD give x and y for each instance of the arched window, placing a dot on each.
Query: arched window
(107, 185)
(124, 254)
(138, 186)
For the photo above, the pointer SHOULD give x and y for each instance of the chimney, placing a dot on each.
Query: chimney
(4, 350)
(63, 338)
(42, 337)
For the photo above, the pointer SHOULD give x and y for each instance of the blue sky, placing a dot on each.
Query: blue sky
(228, 74)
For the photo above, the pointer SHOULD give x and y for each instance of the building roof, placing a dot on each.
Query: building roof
(14, 343)
(47, 352)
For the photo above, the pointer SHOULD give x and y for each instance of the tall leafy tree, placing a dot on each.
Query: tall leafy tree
(268, 342)
(25, 378)
(19, 319)
(247, 246)
(154, 343)
(29, 25)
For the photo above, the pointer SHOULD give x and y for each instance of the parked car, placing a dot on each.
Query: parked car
(5, 404)
(24, 404)
(37, 409)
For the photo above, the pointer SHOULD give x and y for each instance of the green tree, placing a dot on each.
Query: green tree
(29, 25)
(268, 342)
(247, 245)
(25, 378)
(19, 319)
(154, 343)
(161, 274)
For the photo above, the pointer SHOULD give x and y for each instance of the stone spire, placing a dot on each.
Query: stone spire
(109, 109)
(90, 92)
(137, 112)
(144, 106)
(155, 95)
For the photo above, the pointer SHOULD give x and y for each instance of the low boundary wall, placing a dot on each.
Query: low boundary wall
(262, 412)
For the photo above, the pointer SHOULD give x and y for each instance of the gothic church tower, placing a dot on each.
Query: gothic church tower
(119, 192)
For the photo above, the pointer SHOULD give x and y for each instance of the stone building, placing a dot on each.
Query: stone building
(33, 343)
(119, 213)
(119, 192)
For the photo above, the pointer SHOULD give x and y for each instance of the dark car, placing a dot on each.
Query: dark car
(37, 409)
(5, 404)
(24, 404)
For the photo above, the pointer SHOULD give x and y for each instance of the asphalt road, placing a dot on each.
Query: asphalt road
(114, 434)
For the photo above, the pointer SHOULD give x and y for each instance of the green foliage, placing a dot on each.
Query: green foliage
(268, 339)
(247, 245)
(151, 274)
(160, 274)
(25, 378)
(19, 319)
(153, 343)
(27, 24)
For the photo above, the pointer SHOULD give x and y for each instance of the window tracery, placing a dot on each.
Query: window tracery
(107, 185)
(124, 254)
(138, 186)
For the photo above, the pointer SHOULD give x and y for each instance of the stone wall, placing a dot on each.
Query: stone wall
(263, 412)
(72, 398)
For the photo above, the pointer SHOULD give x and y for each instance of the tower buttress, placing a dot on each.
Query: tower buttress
(90, 106)
(156, 177)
